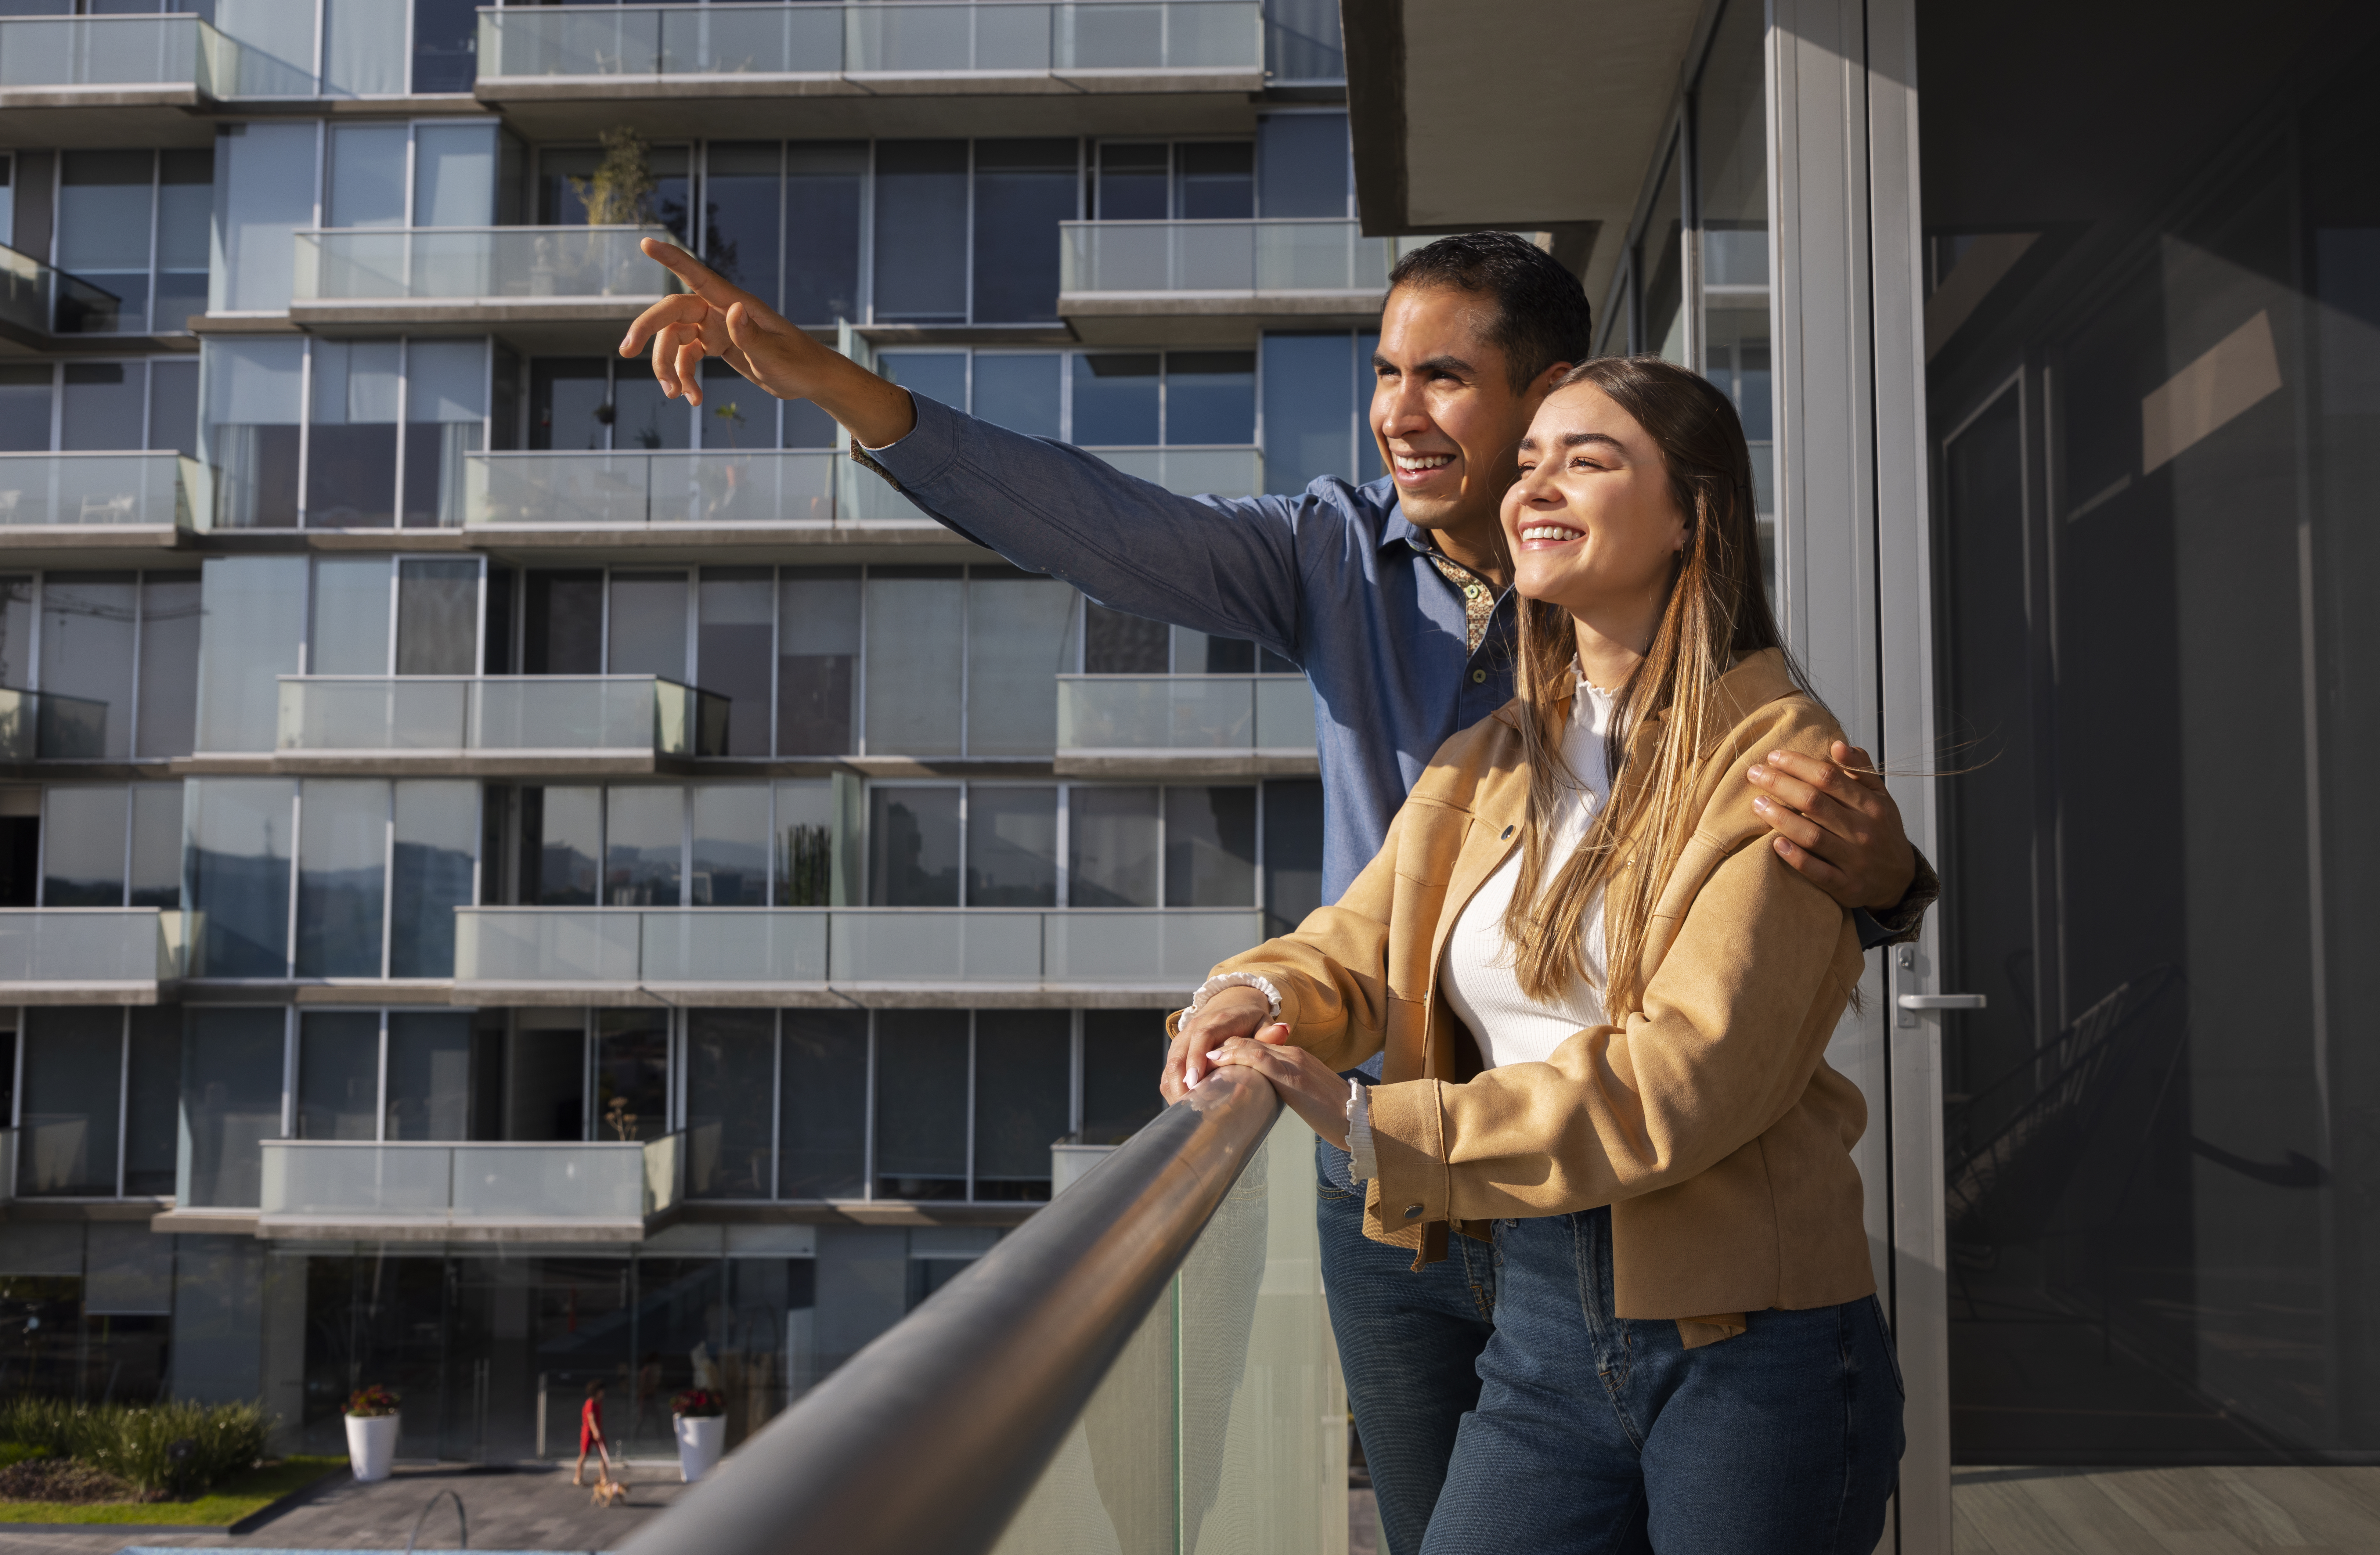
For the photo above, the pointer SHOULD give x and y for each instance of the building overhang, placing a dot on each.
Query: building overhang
(1454, 104)
(1210, 318)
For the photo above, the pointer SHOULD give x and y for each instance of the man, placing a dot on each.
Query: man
(1394, 599)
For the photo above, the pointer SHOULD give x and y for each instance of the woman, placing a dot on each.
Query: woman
(1604, 1000)
(590, 1437)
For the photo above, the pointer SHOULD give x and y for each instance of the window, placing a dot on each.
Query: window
(1303, 165)
(1097, 399)
(268, 172)
(232, 1077)
(1023, 1062)
(560, 203)
(922, 1079)
(1122, 1053)
(1317, 390)
(667, 845)
(818, 659)
(445, 45)
(133, 225)
(252, 628)
(823, 1104)
(600, 403)
(1023, 190)
(731, 1103)
(823, 194)
(921, 201)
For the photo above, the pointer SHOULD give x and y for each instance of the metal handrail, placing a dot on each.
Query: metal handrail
(928, 1441)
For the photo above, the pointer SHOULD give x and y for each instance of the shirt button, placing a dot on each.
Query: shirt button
(1479, 677)
(1471, 590)
(1413, 1211)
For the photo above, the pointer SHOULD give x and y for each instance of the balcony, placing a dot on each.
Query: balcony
(35, 297)
(1193, 472)
(142, 74)
(1186, 725)
(475, 275)
(670, 496)
(1147, 1363)
(83, 500)
(726, 955)
(1322, 271)
(89, 955)
(520, 724)
(571, 60)
(601, 1192)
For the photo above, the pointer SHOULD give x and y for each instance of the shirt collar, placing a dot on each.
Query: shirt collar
(1401, 529)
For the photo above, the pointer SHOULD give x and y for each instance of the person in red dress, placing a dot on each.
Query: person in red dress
(591, 1436)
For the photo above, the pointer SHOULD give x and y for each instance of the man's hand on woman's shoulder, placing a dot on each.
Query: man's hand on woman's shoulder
(1836, 822)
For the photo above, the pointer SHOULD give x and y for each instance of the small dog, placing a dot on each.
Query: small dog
(608, 1492)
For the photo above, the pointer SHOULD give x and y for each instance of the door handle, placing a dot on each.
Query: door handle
(1941, 1000)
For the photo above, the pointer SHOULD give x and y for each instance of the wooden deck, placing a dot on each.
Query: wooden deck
(2165, 1510)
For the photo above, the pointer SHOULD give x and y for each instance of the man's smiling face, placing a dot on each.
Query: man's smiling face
(1444, 411)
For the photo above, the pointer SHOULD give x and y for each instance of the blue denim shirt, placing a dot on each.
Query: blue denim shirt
(1332, 579)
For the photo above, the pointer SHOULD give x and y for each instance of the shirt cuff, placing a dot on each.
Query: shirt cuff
(928, 449)
(1361, 1163)
(1899, 924)
(1222, 980)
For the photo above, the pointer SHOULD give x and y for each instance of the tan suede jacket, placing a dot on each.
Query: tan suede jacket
(1706, 1119)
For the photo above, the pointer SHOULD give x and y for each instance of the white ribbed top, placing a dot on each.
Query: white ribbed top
(1477, 970)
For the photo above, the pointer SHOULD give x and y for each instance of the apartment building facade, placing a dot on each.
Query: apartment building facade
(506, 879)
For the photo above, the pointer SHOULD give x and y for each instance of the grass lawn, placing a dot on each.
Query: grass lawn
(239, 1496)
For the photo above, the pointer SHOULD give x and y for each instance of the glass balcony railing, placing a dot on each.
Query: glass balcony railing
(1192, 472)
(657, 946)
(884, 37)
(603, 1190)
(1145, 1364)
(115, 52)
(498, 715)
(477, 265)
(1281, 255)
(159, 491)
(1201, 714)
(38, 299)
(637, 490)
(48, 726)
(91, 947)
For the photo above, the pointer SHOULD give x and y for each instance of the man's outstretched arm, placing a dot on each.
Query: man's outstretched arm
(1226, 566)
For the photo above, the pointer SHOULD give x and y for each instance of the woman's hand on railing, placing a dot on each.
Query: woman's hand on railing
(1232, 1012)
(1311, 1087)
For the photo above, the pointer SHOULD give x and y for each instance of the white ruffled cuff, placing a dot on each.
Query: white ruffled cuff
(1361, 1163)
(1222, 980)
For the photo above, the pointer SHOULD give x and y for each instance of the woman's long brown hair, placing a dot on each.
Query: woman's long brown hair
(1717, 612)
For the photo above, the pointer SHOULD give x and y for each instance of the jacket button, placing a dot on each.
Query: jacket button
(1508, 833)
(1479, 677)
(1413, 1211)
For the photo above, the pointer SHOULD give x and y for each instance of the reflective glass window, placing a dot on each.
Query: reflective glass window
(1115, 399)
(156, 844)
(367, 182)
(807, 845)
(823, 183)
(1020, 636)
(1012, 844)
(1112, 847)
(1025, 1063)
(100, 406)
(445, 406)
(817, 658)
(921, 205)
(82, 846)
(561, 834)
(916, 624)
(152, 1096)
(1303, 166)
(436, 841)
(74, 1071)
(1019, 390)
(732, 647)
(87, 658)
(342, 876)
(1311, 404)
(453, 170)
(232, 1061)
(1023, 190)
(731, 844)
(913, 846)
(350, 617)
(1123, 1050)
(1114, 643)
(632, 1056)
(248, 403)
(1210, 848)
(437, 615)
(428, 1074)
(363, 48)
(921, 1104)
(1210, 397)
(562, 623)
(174, 405)
(351, 446)
(1293, 852)
(1215, 180)
(269, 188)
(445, 45)
(823, 1114)
(644, 845)
(730, 1085)
(647, 624)
(940, 375)
(251, 628)
(106, 202)
(741, 235)
(186, 198)
(1133, 182)
(338, 1075)
(26, 392)
(569, 403)
(169, 664)
(237, 866)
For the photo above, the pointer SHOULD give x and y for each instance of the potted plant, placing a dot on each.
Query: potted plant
(699, 1417)
(371, 1432)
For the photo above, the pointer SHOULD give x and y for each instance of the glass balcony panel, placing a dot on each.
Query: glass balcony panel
(1018, 37)
(1155, 712)
(400, 714)
(909, 37)
(593, 1181)
(777, 487)
(564, 712)
(577, 490)
(734, 947)
(1213, 37)
(110, 489)
(20, 723)
(751, 40)
(1122, 946)
(476, 264)
(925, 945)
(84, 944)
(546, 945)
(1111, 37)
(1284, 713)
(1214, 256)
(103, 51)
(353, 1177)
(1231, 1380)
(1223, 256)
(592, 41)
(664, 1173)
(1305, 256)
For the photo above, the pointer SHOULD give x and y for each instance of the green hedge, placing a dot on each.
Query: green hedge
(137, 1443)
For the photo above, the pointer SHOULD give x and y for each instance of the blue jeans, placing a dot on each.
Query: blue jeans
(1409, 1344)
(1596, 1433)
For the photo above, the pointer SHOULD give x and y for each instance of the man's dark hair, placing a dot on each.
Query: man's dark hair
(1541, 312)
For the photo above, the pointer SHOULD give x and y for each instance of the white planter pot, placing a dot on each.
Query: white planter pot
(700, 1440)
(371, 1445)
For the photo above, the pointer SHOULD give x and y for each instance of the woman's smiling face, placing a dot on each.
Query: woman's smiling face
(1593, 524)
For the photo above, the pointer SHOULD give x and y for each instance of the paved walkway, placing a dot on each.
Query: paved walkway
(2161, 1511)
(527, 1507)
